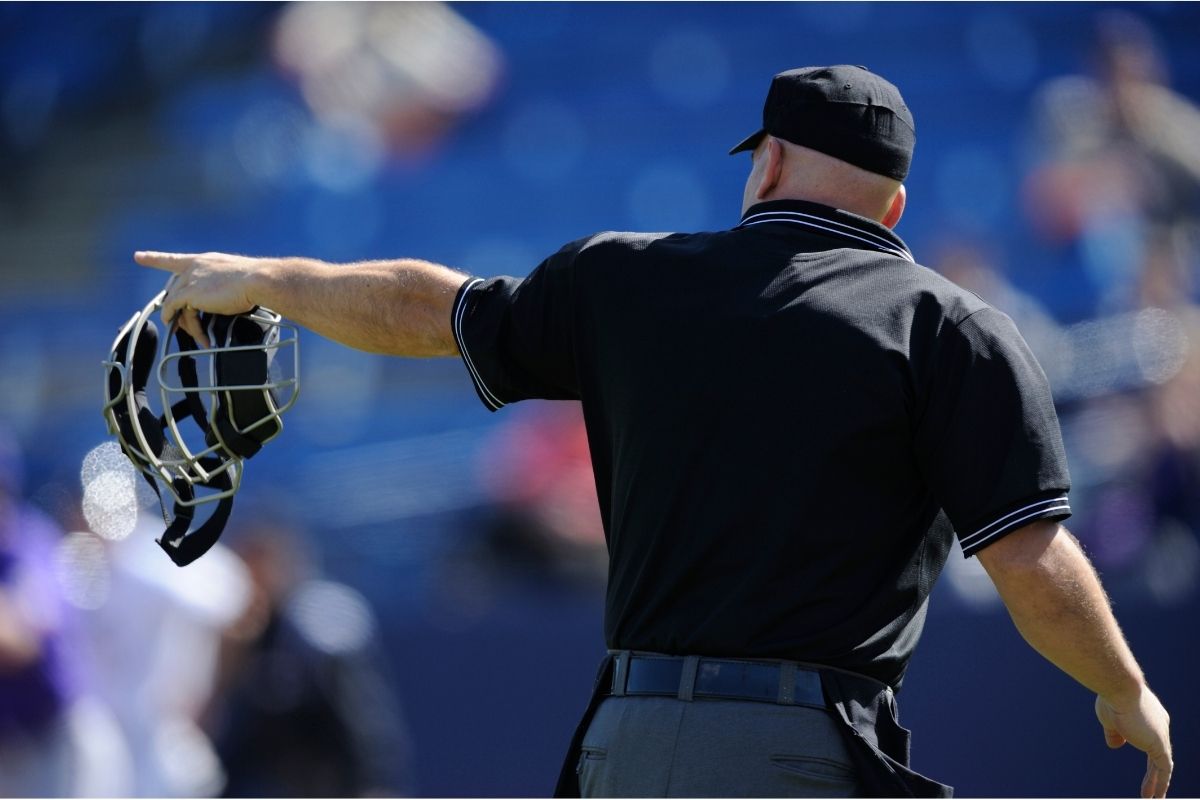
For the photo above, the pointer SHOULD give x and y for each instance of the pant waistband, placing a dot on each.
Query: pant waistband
(691, 677)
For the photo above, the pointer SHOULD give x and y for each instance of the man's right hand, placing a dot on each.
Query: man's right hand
(1144, 723)
(213, 282)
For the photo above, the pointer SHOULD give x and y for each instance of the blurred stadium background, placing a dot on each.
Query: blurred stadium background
(410, 602)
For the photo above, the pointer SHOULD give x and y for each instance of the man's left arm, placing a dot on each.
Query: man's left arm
(400, 307)
(1058, 604)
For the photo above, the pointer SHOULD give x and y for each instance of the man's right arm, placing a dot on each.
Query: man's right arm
(399, 307)
(1057, 603)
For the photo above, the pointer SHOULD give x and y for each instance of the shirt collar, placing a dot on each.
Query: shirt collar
(824, 220)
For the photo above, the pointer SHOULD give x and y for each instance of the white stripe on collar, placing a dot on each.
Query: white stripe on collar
(800, 218)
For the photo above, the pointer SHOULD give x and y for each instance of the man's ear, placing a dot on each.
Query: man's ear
(896, 209)
(772, 170)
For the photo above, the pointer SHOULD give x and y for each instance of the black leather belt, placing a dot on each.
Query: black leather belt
(784, 682)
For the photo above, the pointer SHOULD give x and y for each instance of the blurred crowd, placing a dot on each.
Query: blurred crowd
(249, 675)
(1113, 194)
(256, 671)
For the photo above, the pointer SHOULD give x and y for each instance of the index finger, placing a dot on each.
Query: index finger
(172, 262)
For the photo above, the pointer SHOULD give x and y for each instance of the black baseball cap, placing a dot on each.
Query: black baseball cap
(844, 111)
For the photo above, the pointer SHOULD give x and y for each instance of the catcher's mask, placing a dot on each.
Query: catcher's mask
(234, 413)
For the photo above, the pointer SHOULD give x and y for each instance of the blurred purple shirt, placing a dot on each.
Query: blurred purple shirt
(33, 694)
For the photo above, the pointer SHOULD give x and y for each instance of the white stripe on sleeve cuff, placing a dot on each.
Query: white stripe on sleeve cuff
(488, 397)
(1051, 507)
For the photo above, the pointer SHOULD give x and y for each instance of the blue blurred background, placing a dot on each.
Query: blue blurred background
(411, 598)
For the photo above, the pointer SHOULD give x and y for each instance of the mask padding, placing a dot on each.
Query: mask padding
(150, 422)
(139, 373)
(237, 410)
(144, 355)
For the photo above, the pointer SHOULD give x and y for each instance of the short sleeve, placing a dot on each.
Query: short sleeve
(517, 336)
(988, 440)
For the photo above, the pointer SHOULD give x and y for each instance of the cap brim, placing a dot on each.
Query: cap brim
(750, 142)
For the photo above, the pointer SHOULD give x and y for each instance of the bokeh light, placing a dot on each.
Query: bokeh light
(81, 567)
(544, 141)
(1002, 48)
(343, 154)
(970, 581)
(1173, 565)
(669, 197)
(973, 186)
(332, 616)
(689, 68)
(269, 140)
(110, 496)
(191, 766)
(1160, 344)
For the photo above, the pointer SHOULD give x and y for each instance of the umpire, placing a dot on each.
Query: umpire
(790, 422)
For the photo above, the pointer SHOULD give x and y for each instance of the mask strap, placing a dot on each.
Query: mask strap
(188, 377)
(180, 486)
(182, 547)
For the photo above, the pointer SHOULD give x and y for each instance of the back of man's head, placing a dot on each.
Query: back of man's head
(843, 135)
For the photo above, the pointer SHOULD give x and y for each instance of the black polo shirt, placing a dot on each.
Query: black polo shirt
(789, 421)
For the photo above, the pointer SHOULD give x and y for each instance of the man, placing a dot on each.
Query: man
(789, 421)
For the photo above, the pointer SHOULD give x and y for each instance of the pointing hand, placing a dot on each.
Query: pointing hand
(213, 282)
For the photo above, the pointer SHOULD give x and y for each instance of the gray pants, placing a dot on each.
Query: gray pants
(667, 747)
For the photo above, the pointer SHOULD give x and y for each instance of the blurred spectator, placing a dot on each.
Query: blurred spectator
(1119, 171)
(305, 708)
(537, 472)
(1118, 184)
(1139, 456)
(1175, 427)
(975, 266)
(36, 756)
(55, 740)
(400, 72)
(151, 636)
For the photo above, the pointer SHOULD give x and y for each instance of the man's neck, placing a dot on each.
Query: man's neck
(869, 209)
